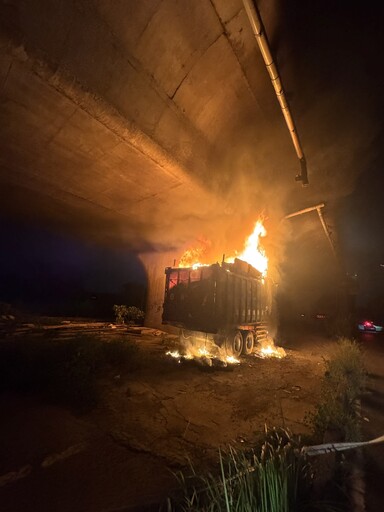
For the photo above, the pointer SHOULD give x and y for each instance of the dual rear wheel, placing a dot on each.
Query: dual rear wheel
(249, 343)
(239, 343)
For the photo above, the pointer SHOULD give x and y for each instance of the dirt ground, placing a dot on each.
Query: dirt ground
(149, 424)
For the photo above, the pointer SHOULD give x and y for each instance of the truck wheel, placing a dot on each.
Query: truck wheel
(234, 344)
(249, 343)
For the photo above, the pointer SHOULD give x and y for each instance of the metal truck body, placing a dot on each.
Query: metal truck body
(228, 301)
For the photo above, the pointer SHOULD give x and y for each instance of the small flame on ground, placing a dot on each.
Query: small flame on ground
(173, 353)
(203, 356)
(192, 349)
(268, 349)
(232, 360)
(176, 355)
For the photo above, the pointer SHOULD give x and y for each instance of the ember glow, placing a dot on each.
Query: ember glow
(268, 349)
(253, 253)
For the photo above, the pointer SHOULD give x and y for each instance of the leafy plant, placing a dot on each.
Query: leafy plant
(128, 314)
(343, 384)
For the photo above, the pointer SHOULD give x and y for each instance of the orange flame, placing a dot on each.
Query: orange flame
(268, 349)
(203, 355)
(253, 253)
(193, 256)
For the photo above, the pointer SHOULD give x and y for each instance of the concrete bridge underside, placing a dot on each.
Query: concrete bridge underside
(118, 117)
(147, 123)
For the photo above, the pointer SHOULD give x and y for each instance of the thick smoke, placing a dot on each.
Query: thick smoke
(331, 81)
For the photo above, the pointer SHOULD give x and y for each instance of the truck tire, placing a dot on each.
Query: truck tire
(249, 343)
(234, 344)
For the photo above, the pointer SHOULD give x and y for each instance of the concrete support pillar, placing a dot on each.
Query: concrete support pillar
(155, 264)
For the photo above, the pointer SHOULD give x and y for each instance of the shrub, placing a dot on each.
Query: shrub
(128, 314)
(343, 384)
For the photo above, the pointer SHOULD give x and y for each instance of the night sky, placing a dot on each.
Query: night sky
(43, 271)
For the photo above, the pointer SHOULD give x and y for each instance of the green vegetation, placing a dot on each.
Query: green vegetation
(128, 314)
(275, 478)
(63, 371)
(342, 386)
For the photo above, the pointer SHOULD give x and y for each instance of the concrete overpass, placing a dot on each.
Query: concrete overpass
(149, 123)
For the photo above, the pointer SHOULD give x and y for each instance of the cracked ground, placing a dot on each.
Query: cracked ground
(149, 424)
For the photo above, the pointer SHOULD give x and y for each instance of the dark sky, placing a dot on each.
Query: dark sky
(47, 269)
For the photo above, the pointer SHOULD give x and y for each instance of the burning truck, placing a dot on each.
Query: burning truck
(225, 303)
(222, 310)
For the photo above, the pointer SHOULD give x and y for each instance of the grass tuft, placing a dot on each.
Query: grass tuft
(275, 478)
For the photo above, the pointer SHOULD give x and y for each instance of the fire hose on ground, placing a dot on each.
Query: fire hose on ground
(320, 449)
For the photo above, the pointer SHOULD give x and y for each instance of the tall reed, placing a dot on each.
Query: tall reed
(272, 479)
